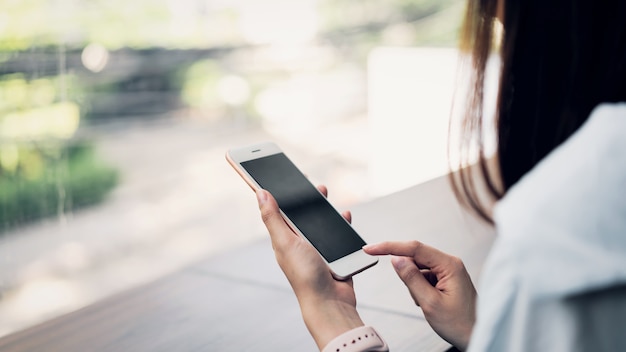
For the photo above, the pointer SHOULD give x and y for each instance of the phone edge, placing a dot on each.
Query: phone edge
(255, 187)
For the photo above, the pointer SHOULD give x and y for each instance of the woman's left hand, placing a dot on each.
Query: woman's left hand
(328, 306)
(439, 283)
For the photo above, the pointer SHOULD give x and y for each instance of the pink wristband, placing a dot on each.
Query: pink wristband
(360, 339)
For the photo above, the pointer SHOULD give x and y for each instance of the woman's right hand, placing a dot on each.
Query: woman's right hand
(328, 306)
(438, 283)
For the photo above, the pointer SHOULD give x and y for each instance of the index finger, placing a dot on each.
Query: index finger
(422, 254)
(323, 190)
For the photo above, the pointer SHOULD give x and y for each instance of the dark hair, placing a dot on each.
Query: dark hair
(560, 59)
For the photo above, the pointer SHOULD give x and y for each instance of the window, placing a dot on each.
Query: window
(115, 117)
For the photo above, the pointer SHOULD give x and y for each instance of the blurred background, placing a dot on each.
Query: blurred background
(115, 117)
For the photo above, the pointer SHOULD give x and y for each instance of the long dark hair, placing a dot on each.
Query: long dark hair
(560, 59)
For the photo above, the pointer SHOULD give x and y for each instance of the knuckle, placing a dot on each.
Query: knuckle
(267, 215)
(409, 274)
(416, 247)
(457, 263)
(416, 244)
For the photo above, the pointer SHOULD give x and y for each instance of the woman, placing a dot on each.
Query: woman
(556, 276)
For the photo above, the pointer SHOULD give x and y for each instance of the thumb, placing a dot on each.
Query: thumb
(269, 208)
(278, 229)
(421, 290)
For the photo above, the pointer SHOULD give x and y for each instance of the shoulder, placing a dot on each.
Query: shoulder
(561, 233)
(570, 210)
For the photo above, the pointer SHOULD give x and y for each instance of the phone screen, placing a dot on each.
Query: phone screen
(303, 204)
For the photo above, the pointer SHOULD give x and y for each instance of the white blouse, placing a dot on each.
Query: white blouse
(555, 279)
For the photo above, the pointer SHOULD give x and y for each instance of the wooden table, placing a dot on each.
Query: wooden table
(240, 301)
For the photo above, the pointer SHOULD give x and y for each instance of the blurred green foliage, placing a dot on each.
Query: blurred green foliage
(42, 171)
(187, 23)
(48, 181)
(42, 105)
(112, 23)
(200, 80)
(431, 22)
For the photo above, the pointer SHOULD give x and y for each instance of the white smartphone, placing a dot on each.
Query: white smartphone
(303, 207)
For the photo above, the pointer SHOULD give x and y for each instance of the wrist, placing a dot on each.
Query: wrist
(328, 319)
(463, 342)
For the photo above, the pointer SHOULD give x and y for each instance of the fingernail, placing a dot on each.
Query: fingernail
(368, 246)
(398, 262)
(261, 196)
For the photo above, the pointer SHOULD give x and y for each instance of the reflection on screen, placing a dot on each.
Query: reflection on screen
(305, 206)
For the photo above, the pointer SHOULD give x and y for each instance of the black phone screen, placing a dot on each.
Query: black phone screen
(303, 204)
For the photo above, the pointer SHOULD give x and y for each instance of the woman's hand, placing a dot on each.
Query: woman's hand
(328, 306)
(439, 283)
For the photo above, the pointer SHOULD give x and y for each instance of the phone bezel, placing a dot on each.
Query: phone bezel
(342, 268)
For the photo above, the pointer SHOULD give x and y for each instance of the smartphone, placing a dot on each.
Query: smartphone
(304, 208)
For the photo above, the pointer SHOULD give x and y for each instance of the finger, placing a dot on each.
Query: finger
(423, 255)
(279, 231)
(420, 288)
(347, 215)
(323, 190)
